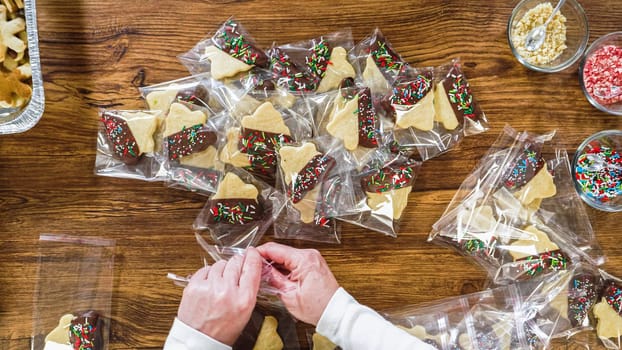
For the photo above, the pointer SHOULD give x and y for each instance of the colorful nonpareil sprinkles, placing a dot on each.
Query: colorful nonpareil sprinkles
(252, 141)
(230, 40)
(189, 140)
(411, 92)
(548, 261)
(613, 294)
(582, 296)
(367, 120)
(602, 75)
(460, 94)
(310, 176)
(390, 178)
(598, 172)
(525, 168)
(234, 211)
(477, 247)
(82, 334)
(123, 142)
(386, 59)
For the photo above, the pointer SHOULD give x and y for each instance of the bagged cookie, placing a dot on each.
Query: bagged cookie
(317, 186)
(127, 145)
(240, 211)
(253, 141)
(349, 116)
(428, 324)
(196, 90)
(607, 311)
(381, 191)
(190, 142)
(316, 65)
(516, 215)
(229, 52)
(380, 64)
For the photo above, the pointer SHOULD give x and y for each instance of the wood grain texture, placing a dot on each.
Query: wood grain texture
(96, 53)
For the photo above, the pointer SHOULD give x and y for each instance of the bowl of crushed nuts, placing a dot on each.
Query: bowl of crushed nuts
(566, 37)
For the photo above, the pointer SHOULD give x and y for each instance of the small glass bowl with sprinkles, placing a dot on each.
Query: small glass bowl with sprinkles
(597, 170)
(566, 35)
(600, 73)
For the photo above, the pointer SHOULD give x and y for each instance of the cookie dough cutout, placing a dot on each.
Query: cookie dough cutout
(161, 100)
(230, 154)
(320, 342)
(420, 116)
(268, 338)
(538, 243)
(344, 124)
(443, 111)
(374, 78)
(609, 321)
(542, 185)
(338, 69)
(9, 30)
(143, 126)
(391, 203)
(266, 118)
(180, 117)
(233, 187)
(60, 334)
(223, 65)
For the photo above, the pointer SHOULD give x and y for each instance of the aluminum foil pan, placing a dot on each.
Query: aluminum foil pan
(18, 117)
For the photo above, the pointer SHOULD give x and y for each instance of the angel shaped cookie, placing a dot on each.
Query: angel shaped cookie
(529, 179)
(233, 52)
(453, 100)
(338, 68)
(413, 103)
(353, 118)
(304, 170)
(187, 139)
(382, 65)
(235, 202)
(387, 189)
(131, 134)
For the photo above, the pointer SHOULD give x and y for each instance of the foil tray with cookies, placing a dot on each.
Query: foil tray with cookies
(21, 85)
(517, 214)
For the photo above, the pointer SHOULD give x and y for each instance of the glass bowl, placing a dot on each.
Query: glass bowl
(603, 90)
(577, 34)
(597, 170)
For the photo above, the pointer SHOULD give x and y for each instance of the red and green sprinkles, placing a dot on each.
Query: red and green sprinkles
(385, 58)
(194, 178)
(235, 212)
(411, 92)
(390, 178)
(188, 141)
(123, 142)
(545, 262)
(460, 94)
(252, 141)
(602, 75)
(310, 176)
(598, 173)
(283, 69)
(477, 247)
(367, 120)
(83, 335)
(613, 295)
(230, 40)
(319, 59)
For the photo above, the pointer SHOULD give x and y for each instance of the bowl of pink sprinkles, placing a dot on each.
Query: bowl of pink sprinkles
(600, 73)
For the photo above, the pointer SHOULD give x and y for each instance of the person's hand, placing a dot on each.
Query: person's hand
(307, 284)
(219, 299)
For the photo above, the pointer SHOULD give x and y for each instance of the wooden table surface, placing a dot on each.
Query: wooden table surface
(96, 53)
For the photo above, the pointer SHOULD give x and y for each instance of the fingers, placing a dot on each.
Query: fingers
(250, 276)
(279, 281)
(216, 270)
(281, 254)
(233, 268)
(200, 275)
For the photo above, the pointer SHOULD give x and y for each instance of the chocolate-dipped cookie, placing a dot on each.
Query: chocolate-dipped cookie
(390, 186)
(130, 133)
(453, 100)
(85, 331)
(413, 103)
(235, 202)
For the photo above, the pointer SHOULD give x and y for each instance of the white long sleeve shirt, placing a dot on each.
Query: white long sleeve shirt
(344, 321)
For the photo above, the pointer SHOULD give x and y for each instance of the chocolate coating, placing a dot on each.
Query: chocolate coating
(123, 142)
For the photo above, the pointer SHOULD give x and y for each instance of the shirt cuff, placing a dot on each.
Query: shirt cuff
(329, 322)
(183, 335)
